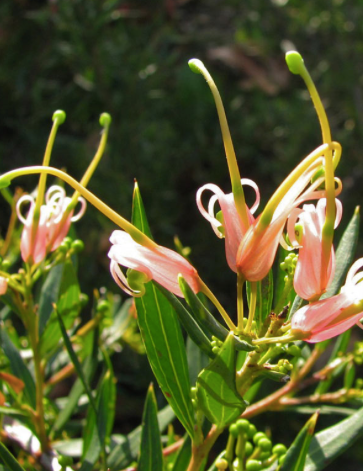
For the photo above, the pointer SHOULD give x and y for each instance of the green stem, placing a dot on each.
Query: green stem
(252, 310)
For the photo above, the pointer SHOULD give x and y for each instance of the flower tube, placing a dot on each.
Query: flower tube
(330, 317)
(312, 277)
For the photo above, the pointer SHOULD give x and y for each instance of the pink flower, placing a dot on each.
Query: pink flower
(52, 227)
(312, 276)
(3, 285)
(327, 318)
(160, 264)
(232, 227)
(257, 250)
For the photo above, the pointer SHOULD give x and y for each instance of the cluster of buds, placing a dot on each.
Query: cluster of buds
(251, 242)
(249, 449)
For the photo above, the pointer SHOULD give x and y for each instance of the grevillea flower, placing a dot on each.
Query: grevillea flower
(312, 276)
(157, 263)
(258, 247)
(327, 318)
(230, 225)
(53, 225)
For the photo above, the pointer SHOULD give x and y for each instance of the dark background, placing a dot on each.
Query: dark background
(130, 59)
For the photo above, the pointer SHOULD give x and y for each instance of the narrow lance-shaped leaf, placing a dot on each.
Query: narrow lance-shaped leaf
(344, 254)
(333, 441)
(217, 396)
(296, 454)
(68, 305)
(126, 452)
(75, 360)
(163, 338)
(9, 459)
(206, 320)
(151, 456)
(19, 368)
(188, 322)
(182, 459)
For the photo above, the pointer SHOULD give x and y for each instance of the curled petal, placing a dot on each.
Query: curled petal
(252, 184)
(24, 199)
(121, 280)
(81, 211)
(234, 229)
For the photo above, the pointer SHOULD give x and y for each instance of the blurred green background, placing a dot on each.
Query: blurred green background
(129, 58)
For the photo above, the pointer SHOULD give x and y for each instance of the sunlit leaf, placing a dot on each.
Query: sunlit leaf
(217, 395)
(296, 454)
(151, 457)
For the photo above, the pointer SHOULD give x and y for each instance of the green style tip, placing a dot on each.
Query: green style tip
(105, 120)
(4, 182)
(295, 62)
(60, 116)
(196, 66)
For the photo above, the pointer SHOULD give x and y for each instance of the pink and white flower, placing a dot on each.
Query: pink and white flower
(330, 317)
(53, 225)
(232, 227)
(312, 275)
(160, 264)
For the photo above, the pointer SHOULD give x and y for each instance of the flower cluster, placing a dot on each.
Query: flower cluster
(251, 242)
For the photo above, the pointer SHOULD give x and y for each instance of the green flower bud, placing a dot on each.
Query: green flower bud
(252, 430)
(65, 461)
(103, 306)
(294, 350)
(265, 444)
(243, 425)
(77, 245)
(279, 449)
(248, 449)
(233, 430)
(253, 465)
(258, 436)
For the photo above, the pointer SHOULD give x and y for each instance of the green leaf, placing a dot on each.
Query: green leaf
(344, 255)
(206, 320)
(340, 347)
(182, 459)
(296, 454)
(99, 426)
(49, 295)
(139, 218)
(189, 323)
(19, 368)
(333, 441)
(217, 395)
(163, 338)
(125, 450)
(68, 305)
(197, 360)
(75, 361)
(88, 368)
(9, 459)
(151, 456)
(165, 349)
